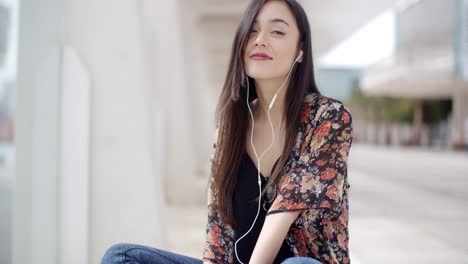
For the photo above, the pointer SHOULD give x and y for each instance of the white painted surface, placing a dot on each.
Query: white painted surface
(74, 175)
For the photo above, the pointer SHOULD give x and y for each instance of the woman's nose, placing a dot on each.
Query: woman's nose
(260, 39)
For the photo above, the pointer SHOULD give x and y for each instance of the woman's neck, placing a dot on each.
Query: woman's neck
(266, 89)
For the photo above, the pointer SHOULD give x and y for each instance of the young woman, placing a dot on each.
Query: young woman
(290, 203)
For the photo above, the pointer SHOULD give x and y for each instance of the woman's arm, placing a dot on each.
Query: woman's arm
(271, 237)
(316, 182)
(218, 246)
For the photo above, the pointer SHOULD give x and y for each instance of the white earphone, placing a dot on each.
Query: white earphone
(271, 144)
(300, 55)
(274, 97)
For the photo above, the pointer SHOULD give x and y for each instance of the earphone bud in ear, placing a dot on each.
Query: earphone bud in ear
(300, 55)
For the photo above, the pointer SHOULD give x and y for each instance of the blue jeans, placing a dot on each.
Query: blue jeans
(137, 254)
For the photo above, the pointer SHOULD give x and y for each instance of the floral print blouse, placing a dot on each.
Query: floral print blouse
(314, 182)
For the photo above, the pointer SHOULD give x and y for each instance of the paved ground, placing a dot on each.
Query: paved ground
(406, 206)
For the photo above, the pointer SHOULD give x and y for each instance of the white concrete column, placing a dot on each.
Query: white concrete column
(165, 40)
(460, 116)
(73, 186)
(37, 136)
(125, 182)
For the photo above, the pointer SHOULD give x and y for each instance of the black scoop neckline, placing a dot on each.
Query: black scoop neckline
(255, 167)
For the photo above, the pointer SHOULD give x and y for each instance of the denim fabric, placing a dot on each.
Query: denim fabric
(300, 260)
(137, 254)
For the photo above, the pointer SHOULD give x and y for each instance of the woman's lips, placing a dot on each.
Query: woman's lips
(261, 58)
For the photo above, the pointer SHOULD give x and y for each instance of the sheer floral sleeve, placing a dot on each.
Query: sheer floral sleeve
(318, 178)
(219, 236)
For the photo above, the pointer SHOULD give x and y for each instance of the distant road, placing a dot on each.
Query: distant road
(408, 205)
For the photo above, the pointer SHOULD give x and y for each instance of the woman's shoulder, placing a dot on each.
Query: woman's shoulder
(318, 106)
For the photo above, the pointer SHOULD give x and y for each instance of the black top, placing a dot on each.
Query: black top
(245, 210)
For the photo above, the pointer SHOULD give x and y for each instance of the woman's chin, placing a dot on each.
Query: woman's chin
(261, 75)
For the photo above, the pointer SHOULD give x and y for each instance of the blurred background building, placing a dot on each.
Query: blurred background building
(107, 123)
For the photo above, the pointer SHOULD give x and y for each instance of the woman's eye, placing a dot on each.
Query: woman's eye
(274, 32)
(278, 32)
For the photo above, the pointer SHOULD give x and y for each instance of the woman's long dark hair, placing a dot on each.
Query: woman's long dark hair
(232, 112)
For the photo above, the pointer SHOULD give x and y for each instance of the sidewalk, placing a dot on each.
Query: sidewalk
(406, 206)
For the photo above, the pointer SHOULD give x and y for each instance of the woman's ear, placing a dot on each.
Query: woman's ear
(299, 56)
(301, 51)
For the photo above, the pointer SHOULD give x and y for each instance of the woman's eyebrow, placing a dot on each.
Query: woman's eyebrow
(274, 20)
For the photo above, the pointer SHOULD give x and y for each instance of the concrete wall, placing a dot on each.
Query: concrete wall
(126, 176)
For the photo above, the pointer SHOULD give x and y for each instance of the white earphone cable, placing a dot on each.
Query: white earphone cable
(255, 151)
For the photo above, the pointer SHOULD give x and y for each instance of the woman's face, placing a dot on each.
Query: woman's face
(275, 35)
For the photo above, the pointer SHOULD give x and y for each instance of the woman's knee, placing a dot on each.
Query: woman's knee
(115, 253)
(300, 260)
